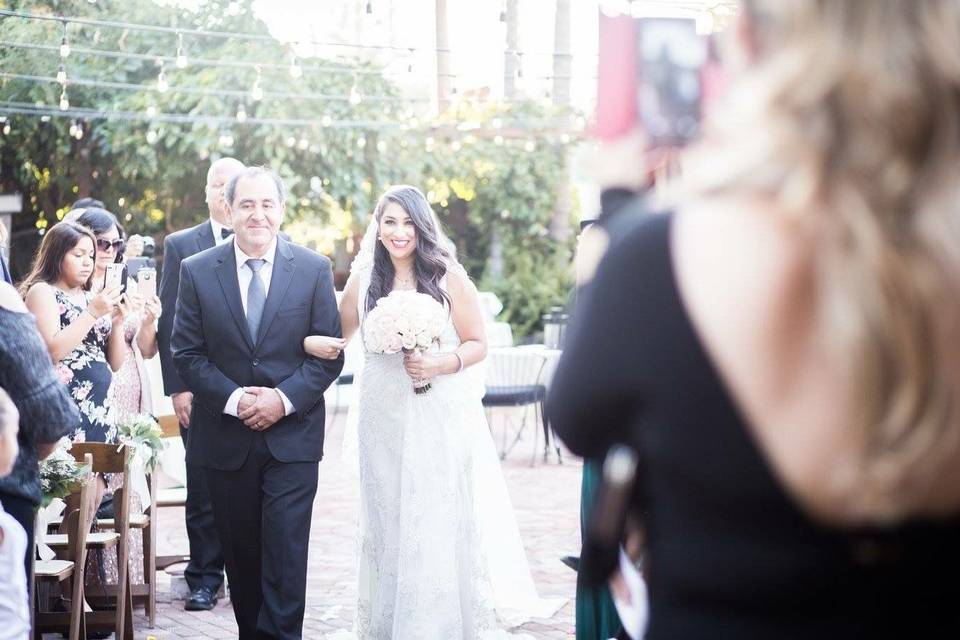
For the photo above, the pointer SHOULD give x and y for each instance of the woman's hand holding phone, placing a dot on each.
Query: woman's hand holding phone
(152, 309)
(105, 302)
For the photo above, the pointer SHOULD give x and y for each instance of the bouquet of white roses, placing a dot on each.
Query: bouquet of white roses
(60, 473)
(405, 321)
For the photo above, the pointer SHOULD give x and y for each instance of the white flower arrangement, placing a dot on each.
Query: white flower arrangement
(60, 473)
(143, 438)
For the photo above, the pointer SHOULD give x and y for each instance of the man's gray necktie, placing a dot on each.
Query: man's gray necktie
(256, 297)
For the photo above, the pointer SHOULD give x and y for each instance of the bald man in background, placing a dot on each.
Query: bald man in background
(204, 573)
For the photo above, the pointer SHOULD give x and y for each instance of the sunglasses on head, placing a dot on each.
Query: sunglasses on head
(103, 245)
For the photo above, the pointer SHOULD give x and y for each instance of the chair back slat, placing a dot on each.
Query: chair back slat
(107, 458)
(170, 426)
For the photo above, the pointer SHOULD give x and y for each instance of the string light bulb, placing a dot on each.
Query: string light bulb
(519, 65)
(64, 100)
(64, 45)
(6, 128)
(241, 113)
(152, 111)
(182, 61)
(62, 75)
(152, 136)
(256, 92)
(355, 96)
(162, 84)
(326, 120)
(78, 134)
(296, 71)
(410, 62)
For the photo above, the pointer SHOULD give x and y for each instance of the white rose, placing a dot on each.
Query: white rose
(393, 345)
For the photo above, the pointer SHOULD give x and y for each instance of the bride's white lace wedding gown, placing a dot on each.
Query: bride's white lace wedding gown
(440, 552)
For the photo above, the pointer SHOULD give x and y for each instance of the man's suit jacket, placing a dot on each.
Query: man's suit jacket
(214, 353)
(177, 247)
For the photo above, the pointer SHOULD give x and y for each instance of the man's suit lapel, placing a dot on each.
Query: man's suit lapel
(227, 274)
(204, 236)
(279, 283)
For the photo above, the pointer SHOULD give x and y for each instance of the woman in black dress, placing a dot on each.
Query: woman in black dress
(781, 350)
(78, 326)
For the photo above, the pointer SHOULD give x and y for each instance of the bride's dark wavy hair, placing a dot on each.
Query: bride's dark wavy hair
(430, 258)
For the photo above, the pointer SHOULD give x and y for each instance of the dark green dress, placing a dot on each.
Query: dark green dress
(597, 617)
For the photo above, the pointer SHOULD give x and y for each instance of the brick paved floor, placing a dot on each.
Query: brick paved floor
(545, 498)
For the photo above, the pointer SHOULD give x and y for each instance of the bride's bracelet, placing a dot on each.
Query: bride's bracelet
(459, 361)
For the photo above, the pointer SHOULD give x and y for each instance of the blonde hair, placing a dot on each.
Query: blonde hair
(848, 120)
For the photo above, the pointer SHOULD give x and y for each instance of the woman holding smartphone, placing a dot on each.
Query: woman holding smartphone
(79, 327)
(130, 393)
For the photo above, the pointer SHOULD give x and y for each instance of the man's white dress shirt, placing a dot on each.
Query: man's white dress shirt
(244, 275)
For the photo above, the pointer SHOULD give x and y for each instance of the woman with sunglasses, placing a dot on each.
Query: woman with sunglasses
(131, 386)
(130, 393)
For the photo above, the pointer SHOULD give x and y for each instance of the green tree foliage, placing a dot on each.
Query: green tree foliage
(492, 180)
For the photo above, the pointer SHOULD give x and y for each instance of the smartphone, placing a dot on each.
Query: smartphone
(670, 61)
(650, 76)
(114, 276)
(147, 282)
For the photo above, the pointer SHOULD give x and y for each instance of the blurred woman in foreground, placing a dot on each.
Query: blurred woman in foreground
(781, 348)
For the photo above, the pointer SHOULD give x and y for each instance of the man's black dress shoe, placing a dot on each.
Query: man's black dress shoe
(571, 561)
(201, 599)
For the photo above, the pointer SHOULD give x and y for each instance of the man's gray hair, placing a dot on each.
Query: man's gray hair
(254, 172)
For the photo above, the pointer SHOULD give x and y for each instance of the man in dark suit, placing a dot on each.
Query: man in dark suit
(204, 572)
(257, 424)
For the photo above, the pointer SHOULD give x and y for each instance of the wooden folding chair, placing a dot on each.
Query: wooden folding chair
(108, 458)
(173, 497)
(76, 523)
(146, 593)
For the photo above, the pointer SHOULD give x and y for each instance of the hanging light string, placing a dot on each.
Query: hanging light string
(231, 35)
(224, 93)
(241, 64)
(29, 108)
(559, 126)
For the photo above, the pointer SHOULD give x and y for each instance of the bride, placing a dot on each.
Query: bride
(440, 552)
